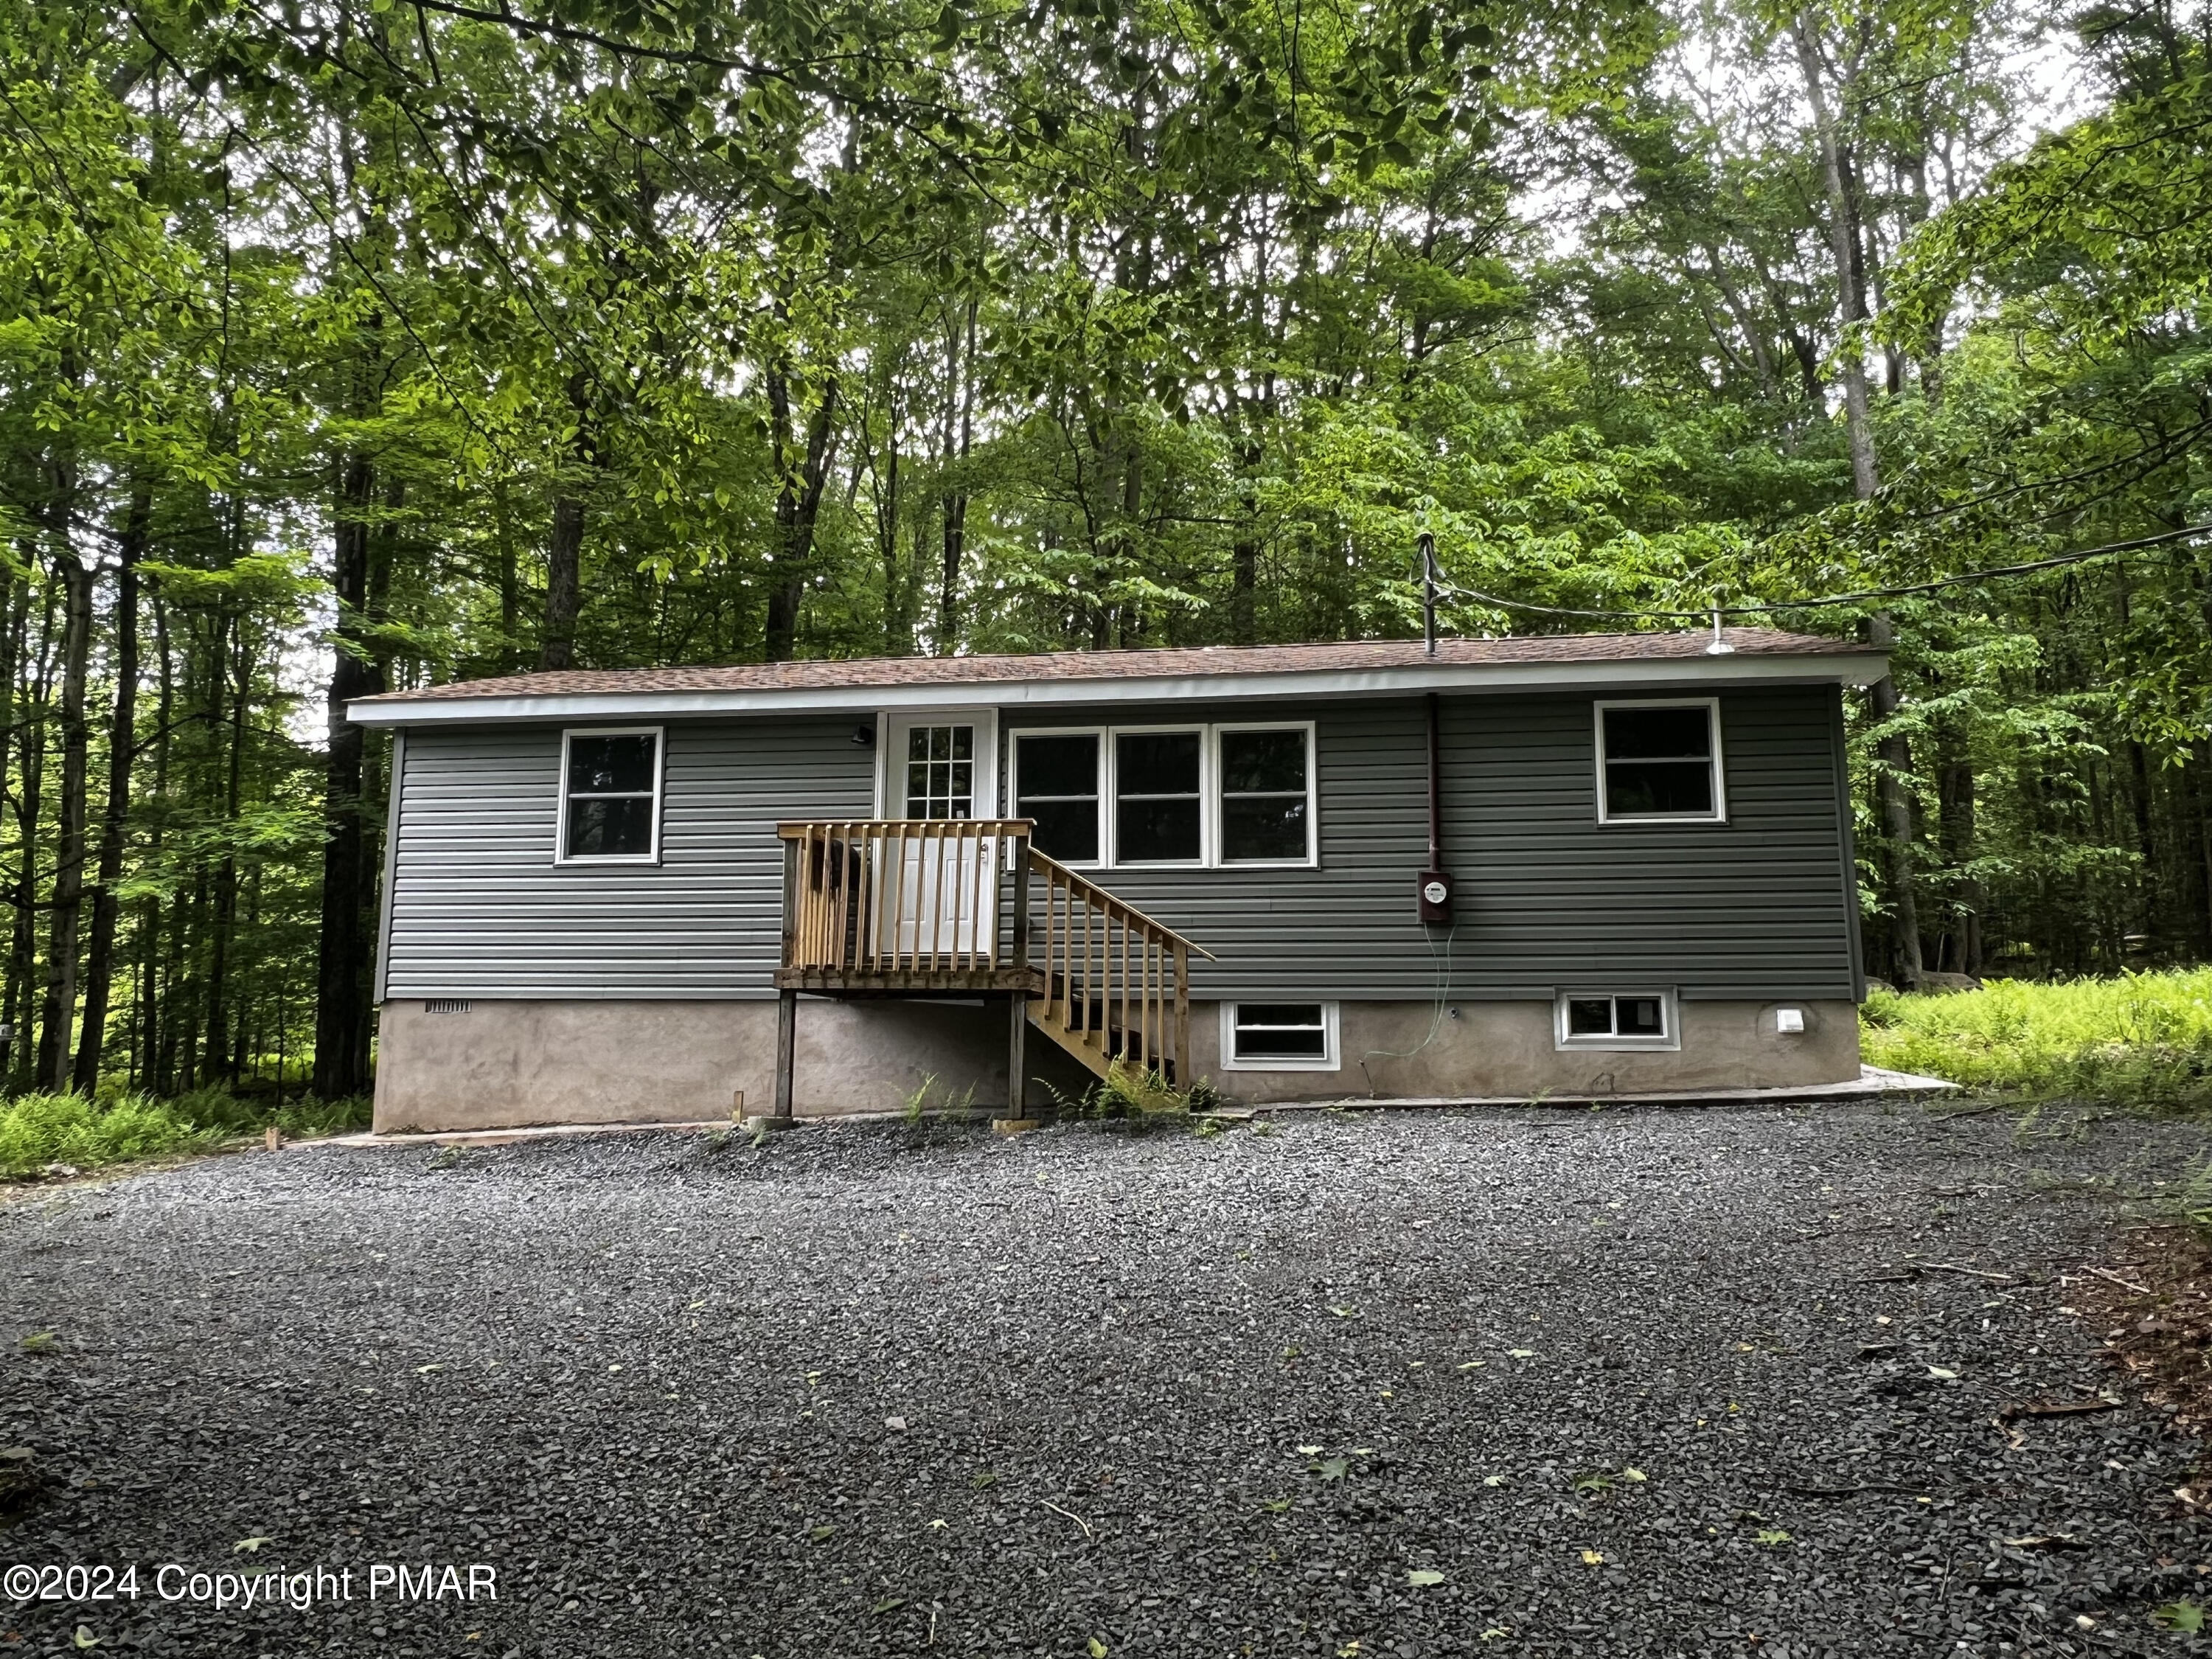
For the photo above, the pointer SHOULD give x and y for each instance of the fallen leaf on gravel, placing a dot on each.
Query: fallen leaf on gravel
(986, 1479)
(1331, 1468)
(1309, 1451)
(1775, 1538)
(888, 1603)
(1636, 1475)
(2182, 1615)
(894, 1422)
(939, 1526)
(85, 1638)
(1346, 1313)
(821, 1533)
(2045, 1540)
(1472, 1364)
(1493, 1479)
(1520, 1354)
(40, 1342)
(1592, 1558)
(1941, 1375)
(1421, 1577)
(1495, 1633)
(249, 1546)
(424, 1370)
(1095, 1648)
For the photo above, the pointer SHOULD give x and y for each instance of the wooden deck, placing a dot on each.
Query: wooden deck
(924, 907)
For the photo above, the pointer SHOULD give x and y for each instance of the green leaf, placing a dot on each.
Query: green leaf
(2183, 1616)
(1422, 1578)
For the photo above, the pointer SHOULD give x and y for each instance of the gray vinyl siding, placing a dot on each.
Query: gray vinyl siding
(1547, 898)
(479, 909)
(1758, 907)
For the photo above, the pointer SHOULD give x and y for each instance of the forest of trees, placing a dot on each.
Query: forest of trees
(348, 344)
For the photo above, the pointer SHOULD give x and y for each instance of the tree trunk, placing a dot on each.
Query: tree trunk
(564, 553)
(122, 742)
(960, 372)
(1895, 765)
(797, 505)
(342, 1011)
(58, 1017)
(1844, 246)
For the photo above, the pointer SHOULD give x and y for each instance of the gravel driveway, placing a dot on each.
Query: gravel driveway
(1403, 1384)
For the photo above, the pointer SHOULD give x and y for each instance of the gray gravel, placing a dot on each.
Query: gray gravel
(879, 1390)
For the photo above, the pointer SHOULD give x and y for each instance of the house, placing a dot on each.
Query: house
(1595, 864)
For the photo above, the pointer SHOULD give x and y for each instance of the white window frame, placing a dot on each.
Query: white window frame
(1218, 801)
(1670, 1012)
(1331, 1059)
(1104, 734)
(659, 736)
(1210, 799)
(1110, 804)
(1712, 707)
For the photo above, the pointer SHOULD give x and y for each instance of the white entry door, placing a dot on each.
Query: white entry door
(941, 768)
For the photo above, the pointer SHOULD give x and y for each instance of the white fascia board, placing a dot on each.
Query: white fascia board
(1857, 668)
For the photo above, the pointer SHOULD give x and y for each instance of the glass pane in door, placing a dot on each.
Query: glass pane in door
(940, 772)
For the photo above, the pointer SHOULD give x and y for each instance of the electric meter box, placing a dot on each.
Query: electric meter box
(1434, 896)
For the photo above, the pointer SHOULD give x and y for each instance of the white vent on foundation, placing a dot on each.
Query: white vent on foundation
(445, 1005)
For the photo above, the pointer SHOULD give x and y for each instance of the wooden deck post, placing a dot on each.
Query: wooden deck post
(1182, 1015)
(1017, 1004)
(786, 1043)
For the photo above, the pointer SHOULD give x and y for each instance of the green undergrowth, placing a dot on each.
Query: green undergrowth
(2139, 1040)
(38, 1132)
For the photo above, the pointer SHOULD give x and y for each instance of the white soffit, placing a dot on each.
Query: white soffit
(1628, 675)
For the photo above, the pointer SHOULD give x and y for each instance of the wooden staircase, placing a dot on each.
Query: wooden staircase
(888, 908)
(1117, 984)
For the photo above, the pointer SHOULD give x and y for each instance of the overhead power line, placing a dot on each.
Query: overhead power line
(1863, 597)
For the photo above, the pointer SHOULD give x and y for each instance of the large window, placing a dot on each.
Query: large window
(1616, 1019)
(610, 796)
(1198, 795)
(1278, 1036)
(1057, 784)
(1659, 762)
(1159, 797)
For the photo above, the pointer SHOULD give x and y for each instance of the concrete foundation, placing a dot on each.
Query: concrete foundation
(500, 1064)
(1491, 1049)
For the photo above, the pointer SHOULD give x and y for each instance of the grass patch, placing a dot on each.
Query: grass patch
(39, 1130)
(2140, 1040)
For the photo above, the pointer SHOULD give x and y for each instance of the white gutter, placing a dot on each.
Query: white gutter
(1742, 668)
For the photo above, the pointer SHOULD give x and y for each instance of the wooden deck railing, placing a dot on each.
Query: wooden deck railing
(903, 896)
(1117, 984)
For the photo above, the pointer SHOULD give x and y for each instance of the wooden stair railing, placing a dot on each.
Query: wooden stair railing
(1116, 983)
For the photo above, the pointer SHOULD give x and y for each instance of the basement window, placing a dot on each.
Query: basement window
(1659, 762)
(1617, 1019)
(1278, 1036)
(610, 796)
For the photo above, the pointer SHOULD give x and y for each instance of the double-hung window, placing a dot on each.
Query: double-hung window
(1057, 785)
(1278, 1036)
(1267, 779)
(1198, 796)
(1159, 797)
(610, 796)
(1659, 762)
